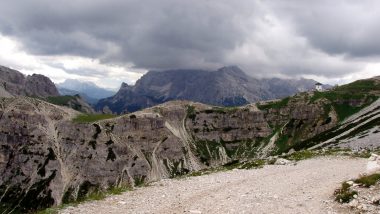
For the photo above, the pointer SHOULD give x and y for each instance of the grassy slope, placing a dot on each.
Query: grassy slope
(345, 100)
(88, 118)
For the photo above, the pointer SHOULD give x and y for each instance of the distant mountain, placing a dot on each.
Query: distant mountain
(87, 90)
(14, 83)
(65, 91)
(228, 86)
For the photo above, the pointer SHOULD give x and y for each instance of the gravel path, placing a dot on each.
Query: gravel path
(304, 188)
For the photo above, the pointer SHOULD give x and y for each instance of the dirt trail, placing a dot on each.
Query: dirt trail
(304, 188)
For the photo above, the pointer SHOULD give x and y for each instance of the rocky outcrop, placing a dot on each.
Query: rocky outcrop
(12, 81)
(228, 86)
(16, 84)
(40, 86)
(4, 93)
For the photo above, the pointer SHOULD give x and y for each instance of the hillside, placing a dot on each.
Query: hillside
(44, 152)
(228, 86)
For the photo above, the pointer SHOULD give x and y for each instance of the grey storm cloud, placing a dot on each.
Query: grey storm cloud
(150, 34)
(337, 27)
(264, 37)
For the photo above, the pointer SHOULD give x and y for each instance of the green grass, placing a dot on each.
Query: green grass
(251, 164)
(221, 110)
(275, 105)
(344, 194)
(330, 95)
(343, 110)
(359, 90)
(207, 150)
(301, 155)
(337, 130)
(89, 118)
(307, 154)
(95, 196)
(190, 112)
(282, 144)
(235, 164)
(60, 100)
(368, 180)
(196, 173)
(259, 163)
(341, 96)
(360, 86)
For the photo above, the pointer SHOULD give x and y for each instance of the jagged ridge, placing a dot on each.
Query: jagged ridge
(228, 86)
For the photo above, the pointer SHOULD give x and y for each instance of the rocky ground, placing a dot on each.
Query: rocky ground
(365, 201)
(306, 187)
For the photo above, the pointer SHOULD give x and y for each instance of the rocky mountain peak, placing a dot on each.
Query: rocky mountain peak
(227, 86)
(40, 85)
(15, 83)
(124, 85)
(11, 76)
(232, 70)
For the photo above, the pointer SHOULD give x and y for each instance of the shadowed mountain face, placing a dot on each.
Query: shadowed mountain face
(228, 86)
(14, 83)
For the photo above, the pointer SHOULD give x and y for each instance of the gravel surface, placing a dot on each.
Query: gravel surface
(306, 187)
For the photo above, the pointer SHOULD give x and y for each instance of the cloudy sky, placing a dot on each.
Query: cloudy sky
(111, 41)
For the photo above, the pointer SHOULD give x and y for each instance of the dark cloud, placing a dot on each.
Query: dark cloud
(150, 34)
(347, 27)
(288, 38)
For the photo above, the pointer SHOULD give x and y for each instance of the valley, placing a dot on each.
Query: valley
(61, 155)
(166, 106)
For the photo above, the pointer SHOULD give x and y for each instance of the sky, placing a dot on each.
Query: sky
(114, 41)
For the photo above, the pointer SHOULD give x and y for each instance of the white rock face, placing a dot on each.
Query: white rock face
(4, 93)
(373, 164)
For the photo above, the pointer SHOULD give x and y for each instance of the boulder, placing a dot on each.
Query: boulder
(373, 164)
(282, 161)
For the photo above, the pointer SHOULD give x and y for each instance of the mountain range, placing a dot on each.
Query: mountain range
(89, 91)
(227, 86)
